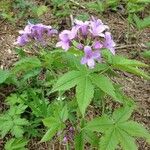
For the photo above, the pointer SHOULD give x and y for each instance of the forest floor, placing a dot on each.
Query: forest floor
(130, 43)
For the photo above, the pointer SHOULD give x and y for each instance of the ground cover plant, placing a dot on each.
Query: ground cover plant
(60, 77)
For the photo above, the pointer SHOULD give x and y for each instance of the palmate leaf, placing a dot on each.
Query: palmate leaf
(126, 141)
(12, 122)
(122, 114)
(134, 129)
(84, 93)
(109, 141)
(100, 124)
(67, 81)
(104, 84)
(120, 131)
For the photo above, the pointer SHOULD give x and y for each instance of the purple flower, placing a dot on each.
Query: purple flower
(80, 46)
(97, 45)
(65, 38)
(90, 56)
(92, 33)
(109, 43)
(27, 29)
(65, 139)
(97, 27)
(83, 26)
(22, 40)
(35, 32)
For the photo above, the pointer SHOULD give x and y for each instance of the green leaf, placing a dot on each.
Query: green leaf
(12, 122)
(100, 67)
(16, 144)
(15, 99)
(64, 113)
(4, 74)
(100, 124)
(130, 66)
(122, 114)
(126, 141)
(109, 141)
(51, 121)
(21, 121)
(91, 138)
(50, 133)
(141, 23)
(67, 81)
(26, 64)
(104, 84)
(135, 71)
(121, 61)
(135, 129)
(79, 141)
(17, 131)
(84, 93)
(40, 10)
(146, 54)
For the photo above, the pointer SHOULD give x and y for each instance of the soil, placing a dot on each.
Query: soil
(130, 43)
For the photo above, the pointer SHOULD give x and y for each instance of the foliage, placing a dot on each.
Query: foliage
(16, 144)
(55, 91)
(127, 7)
(11, 121)
(14, 10)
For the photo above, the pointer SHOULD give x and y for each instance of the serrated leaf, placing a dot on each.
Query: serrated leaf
(135, 129)
(50, 133)
(99, 67)
(126, 141)
(67, 81)
(51, 121)
(141, 23)
(21, 121)
(100, 124)
(121, 61)
(5, 127)
(109, 141)
(104, 84)
(4, 74)
(26, 64)
(84, 93)
(17, 131)
(122, 114)
(135, 71)
(16, 144)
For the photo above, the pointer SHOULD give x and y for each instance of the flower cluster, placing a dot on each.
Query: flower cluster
(90, 36)
(35, 32)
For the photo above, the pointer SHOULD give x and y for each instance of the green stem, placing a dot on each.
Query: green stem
(103, 106)
(67, 146)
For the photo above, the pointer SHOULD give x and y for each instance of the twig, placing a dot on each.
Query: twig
(71, 19)
(78, 4)
(125, 46)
